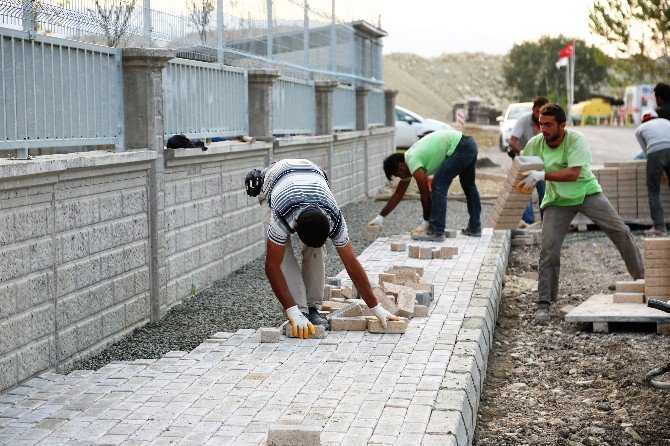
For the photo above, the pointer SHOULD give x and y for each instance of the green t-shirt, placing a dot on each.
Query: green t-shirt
(574, 151)
(431, 150)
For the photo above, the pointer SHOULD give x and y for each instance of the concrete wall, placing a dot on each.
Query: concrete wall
(73, 257)
(75, 238)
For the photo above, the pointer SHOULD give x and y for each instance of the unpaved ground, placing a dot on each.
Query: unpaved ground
(560, 384)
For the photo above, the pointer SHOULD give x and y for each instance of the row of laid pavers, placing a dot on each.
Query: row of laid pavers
(359, 388)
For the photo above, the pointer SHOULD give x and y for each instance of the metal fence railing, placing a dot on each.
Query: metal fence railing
(204, 100)
(293, 107)
(376, 108)
(56, 93)
(344, 108)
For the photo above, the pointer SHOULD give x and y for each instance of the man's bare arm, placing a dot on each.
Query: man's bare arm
(422, 181)
(399, 192)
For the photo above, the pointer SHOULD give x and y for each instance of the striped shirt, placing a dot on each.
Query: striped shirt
(290, 187)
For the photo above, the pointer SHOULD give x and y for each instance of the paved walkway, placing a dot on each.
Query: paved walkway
(361, 388)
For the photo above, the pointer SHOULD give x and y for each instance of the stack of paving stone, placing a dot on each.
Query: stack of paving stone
(512, 201)
(531, 235)
(432, 252)
(624, 183)
(657, 268)
(629, 292)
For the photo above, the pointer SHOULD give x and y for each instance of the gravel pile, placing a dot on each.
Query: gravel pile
(244, 299)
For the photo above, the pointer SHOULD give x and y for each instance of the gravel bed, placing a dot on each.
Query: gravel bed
(244, 299)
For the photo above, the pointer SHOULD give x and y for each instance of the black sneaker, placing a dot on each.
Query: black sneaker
(428, 237)
(315, 318)
(471, 233)
(542, 314)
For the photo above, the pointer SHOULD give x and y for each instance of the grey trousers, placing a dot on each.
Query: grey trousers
(555, 225)
(657, 163)
(305, 282)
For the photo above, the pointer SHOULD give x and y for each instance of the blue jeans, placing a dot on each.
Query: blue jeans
(657, 163)
(529, 214)
(461, 163)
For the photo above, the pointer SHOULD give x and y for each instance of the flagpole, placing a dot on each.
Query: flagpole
(568, 95)
(572, 73)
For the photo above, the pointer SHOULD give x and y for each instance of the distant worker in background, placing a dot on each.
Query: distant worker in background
(662, 93)
(571, 188)
(524, 129)
(445, 154)
(654, 138)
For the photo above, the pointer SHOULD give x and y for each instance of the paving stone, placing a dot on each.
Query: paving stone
(389, 278)
(270, 334)
(420, 311)
(628, 298)
(405, 302)
(398, 246)
(319, 331)
(348, 323)
(375, 326)
(373, 229)
(279, 435)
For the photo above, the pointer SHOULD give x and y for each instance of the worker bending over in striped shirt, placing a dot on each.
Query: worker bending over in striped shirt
(296, 198)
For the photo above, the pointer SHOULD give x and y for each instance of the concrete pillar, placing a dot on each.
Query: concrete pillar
(389, 97)
(143, 99)
(261, 83)
(324, 106)
(362, 93)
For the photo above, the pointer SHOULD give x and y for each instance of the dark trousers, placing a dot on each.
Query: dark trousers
(657, 163)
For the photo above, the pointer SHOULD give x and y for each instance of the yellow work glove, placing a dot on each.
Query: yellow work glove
(302, 327)
(383, 315)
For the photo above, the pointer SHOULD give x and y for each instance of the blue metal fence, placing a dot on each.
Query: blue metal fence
(293, 107)
(56, 93)
(205, 99)
(344, 108)
(376, 108)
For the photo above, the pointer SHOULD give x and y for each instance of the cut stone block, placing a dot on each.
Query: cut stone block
(629, 286)
(359, 323)
(327, 292)
(425, 252)
(413, 251)
(336, 293)
(333, 305)
(352, 310)
(420, 311)
(383, 277)
(398, 246)
(374, 326)
(269, 334)
(373, 229)
(524, 163)
(400, 271)
(447, 252)
(291, 435)
(406, 301)
(657, 243)
(384, 301)
(393, 289)
(450, 233)
(628, 298)
(348, 293)
(319, 331)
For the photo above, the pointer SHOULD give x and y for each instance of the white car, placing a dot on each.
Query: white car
(410, 127)
(507, 121)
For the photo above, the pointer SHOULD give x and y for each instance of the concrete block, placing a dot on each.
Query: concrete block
(425, 252)
(630, 286)
(351, 310)
(392, 288)
(405, 302)
(269, 334)
(375, 326)
(291, 435)
(359, 323)
(657, 272)
(327, 292)
(524, 163)
(384, 300)
(651, 282)
(413, 251)
(398, 246)
(450, 233)
(447, 252)
(336, 293)
(657, 243)
(565, 310)
(336, 282)
(420, 311)
(423, 299)
(348, 293)
(332, 305)
(628, 298)
(401, 271)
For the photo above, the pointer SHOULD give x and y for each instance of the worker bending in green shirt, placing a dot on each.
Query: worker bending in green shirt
(571, 188)
(444, 154)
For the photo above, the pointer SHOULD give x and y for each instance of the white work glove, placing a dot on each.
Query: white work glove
(301, 326)
(530, 179)
(423, 227)
(383, 315)
(377, 221)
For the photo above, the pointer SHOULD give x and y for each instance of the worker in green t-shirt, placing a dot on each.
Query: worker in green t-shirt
(571, 188)
(445, 154)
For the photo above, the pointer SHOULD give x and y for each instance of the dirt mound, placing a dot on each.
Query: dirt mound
(431, 86)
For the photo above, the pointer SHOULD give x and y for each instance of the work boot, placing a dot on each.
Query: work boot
(469, 232)
(542, 314)
(315, 318)
(428, 237)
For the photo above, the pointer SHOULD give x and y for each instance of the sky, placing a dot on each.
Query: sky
(433, 27)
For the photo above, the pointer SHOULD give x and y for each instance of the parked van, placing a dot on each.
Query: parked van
(637, 98)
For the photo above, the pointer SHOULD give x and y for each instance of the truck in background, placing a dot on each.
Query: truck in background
(637, 98)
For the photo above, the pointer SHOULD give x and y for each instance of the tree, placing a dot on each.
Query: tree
(114, 18)
(201, 17)
(530, 69)
(637, 29)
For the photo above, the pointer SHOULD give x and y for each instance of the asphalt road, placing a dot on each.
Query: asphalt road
(610, 143)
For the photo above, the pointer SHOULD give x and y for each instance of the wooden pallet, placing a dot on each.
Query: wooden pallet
(601, 311)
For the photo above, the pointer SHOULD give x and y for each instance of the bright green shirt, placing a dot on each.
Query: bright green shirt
(431, 150)
(574, 151)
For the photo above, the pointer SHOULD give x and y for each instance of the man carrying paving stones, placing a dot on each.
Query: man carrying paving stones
(295, 197)
(444, 154)
(571, 188)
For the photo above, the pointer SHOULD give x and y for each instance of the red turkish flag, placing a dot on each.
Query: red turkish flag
(567, 50)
